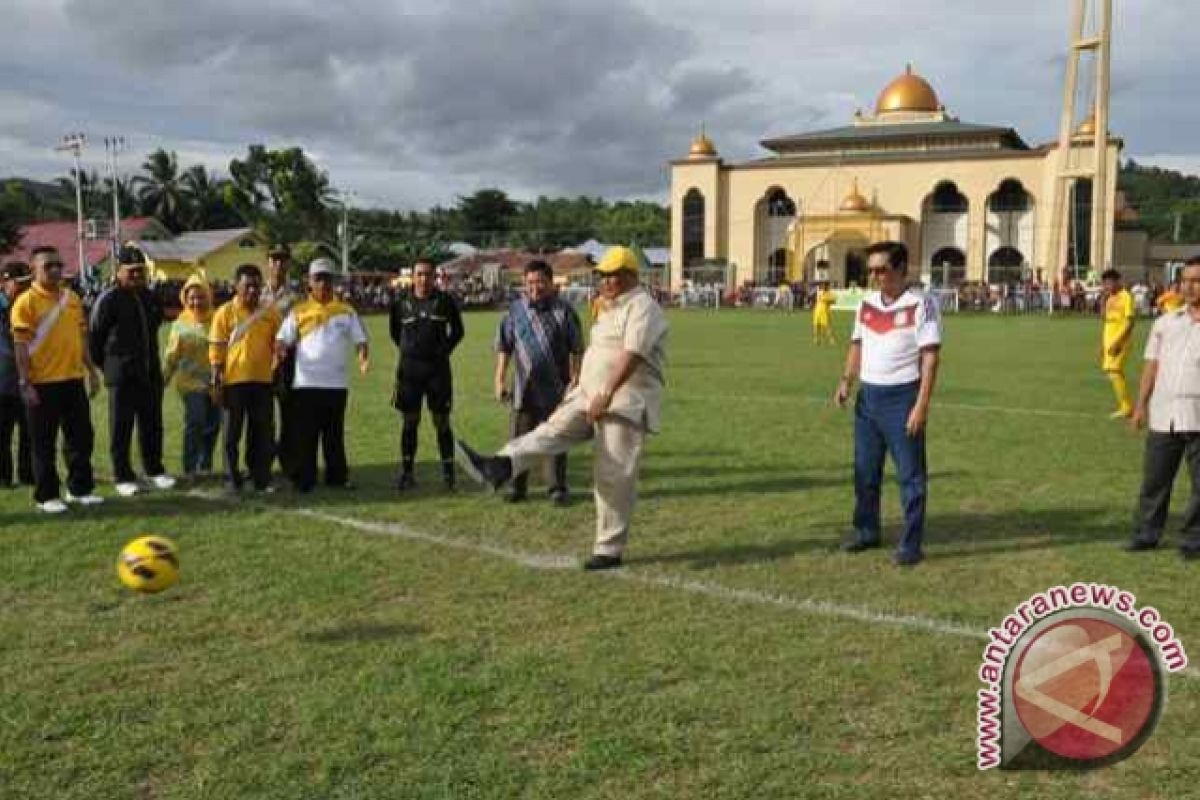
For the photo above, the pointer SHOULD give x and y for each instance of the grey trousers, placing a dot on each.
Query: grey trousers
(1164, 452)
(617, 453)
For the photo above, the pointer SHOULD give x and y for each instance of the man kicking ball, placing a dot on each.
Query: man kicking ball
(617, 401)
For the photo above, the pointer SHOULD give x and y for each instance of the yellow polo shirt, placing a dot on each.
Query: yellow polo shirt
(247, 360)
(59, 355)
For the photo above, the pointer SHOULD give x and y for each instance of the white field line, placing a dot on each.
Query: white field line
(716, 591)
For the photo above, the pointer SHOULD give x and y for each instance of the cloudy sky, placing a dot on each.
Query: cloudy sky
(412, 103)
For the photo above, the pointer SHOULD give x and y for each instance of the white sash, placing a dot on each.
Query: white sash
(243, 327)
(48, 321)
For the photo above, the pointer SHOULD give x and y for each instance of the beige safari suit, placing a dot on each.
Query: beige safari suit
(633, 322)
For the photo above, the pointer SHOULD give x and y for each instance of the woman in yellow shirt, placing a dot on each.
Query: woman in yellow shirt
(823, 316)
(187, 362)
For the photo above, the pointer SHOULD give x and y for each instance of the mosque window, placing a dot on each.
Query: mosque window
(693, 226)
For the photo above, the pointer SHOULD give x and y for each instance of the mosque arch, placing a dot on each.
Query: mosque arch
(948, 267)
(1011, 219)
(774, 214)
(1007, 265)
(945, 228)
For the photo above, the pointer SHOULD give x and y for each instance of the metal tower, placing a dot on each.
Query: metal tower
(1091, 34)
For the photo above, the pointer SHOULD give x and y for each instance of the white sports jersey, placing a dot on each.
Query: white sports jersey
(325, 333)
(893, 336)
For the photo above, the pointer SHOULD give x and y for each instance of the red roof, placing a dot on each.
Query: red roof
(62, 237)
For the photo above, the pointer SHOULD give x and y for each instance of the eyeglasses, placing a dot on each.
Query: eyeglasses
(878, 270)
(53, 265)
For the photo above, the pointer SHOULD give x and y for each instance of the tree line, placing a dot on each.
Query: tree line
(286, 197)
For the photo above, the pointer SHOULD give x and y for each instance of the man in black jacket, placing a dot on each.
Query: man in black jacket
(123, 342)
(426, 326)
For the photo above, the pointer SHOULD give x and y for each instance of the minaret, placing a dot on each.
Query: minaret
(1096, 39)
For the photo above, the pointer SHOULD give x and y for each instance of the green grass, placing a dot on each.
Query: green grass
(301, 658)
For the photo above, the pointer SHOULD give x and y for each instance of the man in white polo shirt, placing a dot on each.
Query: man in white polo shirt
(321, 331)
(894, 354)
(1169, 395)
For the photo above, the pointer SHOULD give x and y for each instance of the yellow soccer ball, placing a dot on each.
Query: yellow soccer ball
(149, 564)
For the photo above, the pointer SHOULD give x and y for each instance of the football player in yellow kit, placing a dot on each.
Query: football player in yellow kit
(822, 316)
(1118, 315)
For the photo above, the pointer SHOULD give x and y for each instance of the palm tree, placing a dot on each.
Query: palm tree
(204, 205)
(125, 195)
(158, 190)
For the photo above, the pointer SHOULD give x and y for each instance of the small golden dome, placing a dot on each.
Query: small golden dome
(855, 202)
(702, 147)
(1087, 128)
(909, 92)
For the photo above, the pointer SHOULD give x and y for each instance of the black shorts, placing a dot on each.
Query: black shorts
(424, 380)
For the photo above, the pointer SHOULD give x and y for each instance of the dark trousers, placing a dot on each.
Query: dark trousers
(523, 421)
(13, 419)
(140, 403)
(1164, 452)
(201, 424)
(880, 416)
(249, 407)
(318, 414)
(61, 405)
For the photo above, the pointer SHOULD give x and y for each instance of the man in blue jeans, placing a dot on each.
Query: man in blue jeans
(894, 354)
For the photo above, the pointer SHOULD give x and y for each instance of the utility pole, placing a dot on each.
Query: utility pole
(112, 146)
(73, 143)
(344, 230)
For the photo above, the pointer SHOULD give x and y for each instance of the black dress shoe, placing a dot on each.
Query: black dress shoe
(859, 545)
(514, 497)
(1137, 545)
(598, 562)
(405, 482)
(907, 559)
(560, 498)
(493, 472)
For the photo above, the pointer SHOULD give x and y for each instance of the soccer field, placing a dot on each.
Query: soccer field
(367, 645)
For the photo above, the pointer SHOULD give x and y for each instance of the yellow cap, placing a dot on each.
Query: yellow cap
(617, 259)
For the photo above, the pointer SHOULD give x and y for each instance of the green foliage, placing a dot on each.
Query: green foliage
(487, 217)
(282, 193)
(159, 189)
(1159, 195)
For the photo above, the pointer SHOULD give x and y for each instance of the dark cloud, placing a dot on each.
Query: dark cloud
(422, 101)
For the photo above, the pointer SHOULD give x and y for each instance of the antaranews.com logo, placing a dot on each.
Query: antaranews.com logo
(1074, 678)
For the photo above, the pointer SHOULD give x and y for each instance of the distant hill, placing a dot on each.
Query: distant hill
(1160, 195)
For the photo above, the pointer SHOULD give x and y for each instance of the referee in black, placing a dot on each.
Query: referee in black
(426, 326)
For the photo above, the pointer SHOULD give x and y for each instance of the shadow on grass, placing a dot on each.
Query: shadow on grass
(947, 536)
(355, 632)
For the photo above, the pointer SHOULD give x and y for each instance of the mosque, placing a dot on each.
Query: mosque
(972, 202)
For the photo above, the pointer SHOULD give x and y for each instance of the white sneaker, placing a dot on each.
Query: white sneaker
(163, 481)
(85, 500)
(128, 489)
(54, 506)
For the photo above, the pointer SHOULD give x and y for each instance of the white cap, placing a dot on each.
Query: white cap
(321, 266)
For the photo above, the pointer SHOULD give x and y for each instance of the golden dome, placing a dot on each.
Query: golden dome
(1087, 128)
(702, 147)
(855, 202)
(909, 92)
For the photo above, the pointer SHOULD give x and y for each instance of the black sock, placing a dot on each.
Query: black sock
(408, 446)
